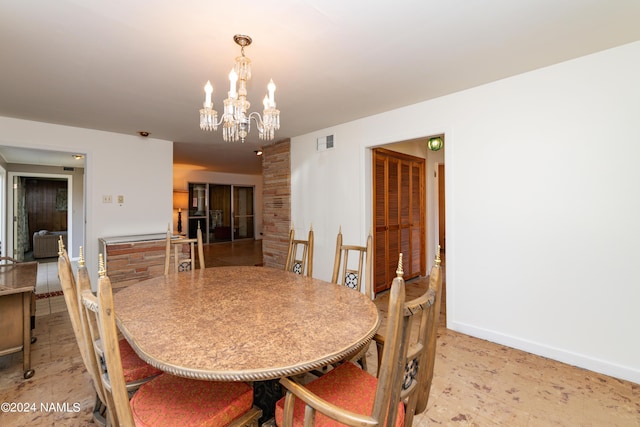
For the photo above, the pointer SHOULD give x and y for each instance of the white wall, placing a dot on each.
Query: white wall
(182, 177)
(542, 205)
(138, 168)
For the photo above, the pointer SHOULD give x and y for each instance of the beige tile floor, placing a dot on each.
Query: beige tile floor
(48, 283)
(476, 383)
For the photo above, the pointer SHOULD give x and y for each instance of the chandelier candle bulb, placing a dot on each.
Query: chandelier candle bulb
(272, 88)
(233, 78)
(208, 89)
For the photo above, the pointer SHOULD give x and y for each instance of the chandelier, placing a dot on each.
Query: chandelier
(236, 119)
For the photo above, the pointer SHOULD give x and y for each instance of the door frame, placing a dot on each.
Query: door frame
(439, 218)
(11, 205)
(3, 212)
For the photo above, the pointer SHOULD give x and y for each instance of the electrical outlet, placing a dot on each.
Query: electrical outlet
(107, 199)
(121, 199)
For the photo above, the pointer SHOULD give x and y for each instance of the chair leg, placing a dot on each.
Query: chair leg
(363, 361)
(100, 412)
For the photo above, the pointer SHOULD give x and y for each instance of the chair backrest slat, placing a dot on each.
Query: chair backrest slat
(200, 248)
(167, 251)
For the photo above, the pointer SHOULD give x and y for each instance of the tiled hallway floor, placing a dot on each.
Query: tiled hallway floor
(476, 383)
(49, 297)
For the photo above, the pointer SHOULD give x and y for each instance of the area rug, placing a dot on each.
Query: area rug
(49, 294)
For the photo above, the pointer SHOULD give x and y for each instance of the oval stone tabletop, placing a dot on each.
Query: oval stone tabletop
(243, 323)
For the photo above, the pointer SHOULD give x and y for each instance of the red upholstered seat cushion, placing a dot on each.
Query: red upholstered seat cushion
(346, 386)
(168, 400)
(134, 368)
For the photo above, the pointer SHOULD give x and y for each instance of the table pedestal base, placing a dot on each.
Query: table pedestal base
(265, 396)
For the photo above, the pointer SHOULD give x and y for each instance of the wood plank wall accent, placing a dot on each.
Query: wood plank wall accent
(276, 200)
(41, 205)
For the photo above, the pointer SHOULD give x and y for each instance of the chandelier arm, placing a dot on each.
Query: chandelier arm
(221, 117)
(259, 122)
(257, 117)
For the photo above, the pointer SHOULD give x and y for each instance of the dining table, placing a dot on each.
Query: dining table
(244, 323)
(17, 306)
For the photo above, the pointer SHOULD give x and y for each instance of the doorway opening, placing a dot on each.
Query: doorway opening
(433, 204)
(224, 212)
(40, 206)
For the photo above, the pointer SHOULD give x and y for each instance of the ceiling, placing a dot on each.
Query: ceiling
(135, 65)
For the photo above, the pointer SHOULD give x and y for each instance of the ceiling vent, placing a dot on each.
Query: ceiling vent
(324, 143)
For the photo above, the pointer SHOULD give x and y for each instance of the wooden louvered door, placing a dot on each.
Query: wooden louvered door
(399, 216)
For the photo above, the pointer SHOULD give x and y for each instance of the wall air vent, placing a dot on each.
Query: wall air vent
(67, 168)
(324, 143)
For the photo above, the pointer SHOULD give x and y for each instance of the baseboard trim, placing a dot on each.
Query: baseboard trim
(560, 355)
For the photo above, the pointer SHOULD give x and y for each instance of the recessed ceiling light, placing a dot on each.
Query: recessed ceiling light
(78, 156)
(258, 152)
(143, 133)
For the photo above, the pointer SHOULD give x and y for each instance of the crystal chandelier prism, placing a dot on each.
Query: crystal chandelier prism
(236, 119)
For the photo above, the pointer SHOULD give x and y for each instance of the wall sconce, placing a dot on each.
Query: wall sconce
(180, 201)
(436, 143)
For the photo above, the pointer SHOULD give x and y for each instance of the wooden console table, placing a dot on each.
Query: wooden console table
(17, 287)
(134, 258)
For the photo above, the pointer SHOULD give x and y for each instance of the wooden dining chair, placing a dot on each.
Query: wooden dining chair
(136, 371)
(166, 399)
(348, 273)
(352, 396)
(71, 298)
(181, 263)
(422, 352)
(300, 254)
